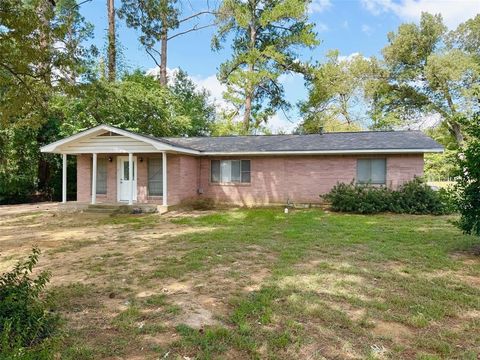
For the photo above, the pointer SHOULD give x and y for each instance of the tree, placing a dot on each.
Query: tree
(468, 180)
(39, 56)
(425, 79)
(266, 34)
(156, 19)
(112, 52)
(467, 37)
(137, 102)
(195, 104)
(336, 99)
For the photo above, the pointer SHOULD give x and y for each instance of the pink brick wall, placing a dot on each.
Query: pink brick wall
(83, 178)
(402, 168)
(301, 179)
(182, 177)
(273, 179)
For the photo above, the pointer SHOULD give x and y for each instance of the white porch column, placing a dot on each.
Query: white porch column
(64, 178)
(94, 179)
(130, 178)
(164, 178)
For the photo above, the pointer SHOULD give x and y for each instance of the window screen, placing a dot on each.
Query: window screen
(245, 171)
(371, 171)
(155, 177)
(215, 171)
(230, 171)
(101, 176)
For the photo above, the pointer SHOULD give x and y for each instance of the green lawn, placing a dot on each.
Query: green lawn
(258, 283)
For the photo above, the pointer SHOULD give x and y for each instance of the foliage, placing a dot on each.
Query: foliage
(154, 19)
(26, 324)
(336, 94)
(413, 197)
(195, 104)
(440, 167)
(266, 35)
(41, 53)
(468, 180)
(424, 78)
(138, 103)
(32, 64)
(17, 148)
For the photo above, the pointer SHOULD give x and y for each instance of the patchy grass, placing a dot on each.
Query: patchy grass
(256, 283)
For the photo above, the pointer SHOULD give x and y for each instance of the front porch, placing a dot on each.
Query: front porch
(107, 178)
(118, 167)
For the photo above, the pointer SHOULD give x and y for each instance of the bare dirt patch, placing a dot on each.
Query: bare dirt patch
(392, 330)
(119, 257)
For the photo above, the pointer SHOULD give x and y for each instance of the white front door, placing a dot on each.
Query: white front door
(124, 179)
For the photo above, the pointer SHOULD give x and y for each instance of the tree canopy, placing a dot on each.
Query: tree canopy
(336, 99)
(424, 77)
(266, 35)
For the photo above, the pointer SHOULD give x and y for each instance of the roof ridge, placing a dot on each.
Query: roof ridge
(275, 135)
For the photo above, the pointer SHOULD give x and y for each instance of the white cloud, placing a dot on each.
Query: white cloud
(212, 85)
(453, 12)
(348, 57)
(155, 72)
(345, 24)
(321, 27)
(367, 29)
(318, 6)
(279, 123)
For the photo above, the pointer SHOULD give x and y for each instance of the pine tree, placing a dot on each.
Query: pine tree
(266, 34)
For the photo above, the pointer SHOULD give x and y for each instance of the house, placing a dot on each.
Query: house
(115, 165)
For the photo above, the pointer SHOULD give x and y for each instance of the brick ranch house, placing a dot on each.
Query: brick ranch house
(243, 170)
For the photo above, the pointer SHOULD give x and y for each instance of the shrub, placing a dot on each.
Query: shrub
(468, 179)
(414, 197)
(26, 324)
(198, 203)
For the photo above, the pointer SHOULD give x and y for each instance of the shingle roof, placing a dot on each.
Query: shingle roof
(342, 141)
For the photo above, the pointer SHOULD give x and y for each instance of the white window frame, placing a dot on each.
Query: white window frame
(230, 167)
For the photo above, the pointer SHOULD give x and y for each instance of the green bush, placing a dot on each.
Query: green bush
(468, 179)
(27, 326)
(414, 197)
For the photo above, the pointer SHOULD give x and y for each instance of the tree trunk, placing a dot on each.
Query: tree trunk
(251, 68)
(453, 125)
(456, 131)
(112, 51)
(248, 111)
(45, 14)
(163, 56)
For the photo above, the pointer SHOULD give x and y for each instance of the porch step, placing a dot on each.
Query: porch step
(122, 208)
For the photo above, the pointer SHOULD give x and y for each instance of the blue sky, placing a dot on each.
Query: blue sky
(351, 26)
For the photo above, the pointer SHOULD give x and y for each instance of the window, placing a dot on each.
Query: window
(371, 171)
(101, 176)
(230, 171)
(155, 177)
